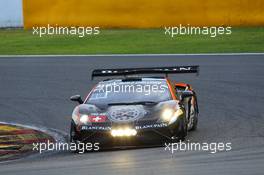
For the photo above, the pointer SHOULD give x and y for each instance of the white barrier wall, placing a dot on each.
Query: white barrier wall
(11, 13)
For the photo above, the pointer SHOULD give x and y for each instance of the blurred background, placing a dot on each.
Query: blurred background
(131, 13)
(131, 26)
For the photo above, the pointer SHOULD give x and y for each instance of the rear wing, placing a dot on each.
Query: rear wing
(149, 70)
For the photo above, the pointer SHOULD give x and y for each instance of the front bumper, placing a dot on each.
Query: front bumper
(147, 134)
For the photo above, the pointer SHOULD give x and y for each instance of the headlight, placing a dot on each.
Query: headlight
(84, 118)
(167, 114)
(170, 116)
(123, 132)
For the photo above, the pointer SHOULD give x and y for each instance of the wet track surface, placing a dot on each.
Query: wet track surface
(36, 91)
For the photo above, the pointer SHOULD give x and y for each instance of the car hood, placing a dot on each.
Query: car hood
(127, 113)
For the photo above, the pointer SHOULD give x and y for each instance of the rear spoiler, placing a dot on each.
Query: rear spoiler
(149, 70)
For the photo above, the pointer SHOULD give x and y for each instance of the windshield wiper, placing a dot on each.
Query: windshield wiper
(134, 103)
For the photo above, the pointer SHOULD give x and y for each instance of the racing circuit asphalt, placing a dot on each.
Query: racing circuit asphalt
(36, 91)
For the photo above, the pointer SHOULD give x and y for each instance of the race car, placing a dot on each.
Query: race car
(133, 109)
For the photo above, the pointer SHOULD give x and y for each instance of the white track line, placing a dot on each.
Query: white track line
(132, 55)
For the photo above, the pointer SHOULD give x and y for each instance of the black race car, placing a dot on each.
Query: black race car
(135, 110)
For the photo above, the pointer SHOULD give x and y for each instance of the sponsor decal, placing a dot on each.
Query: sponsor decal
(126, 114)
(108, 128)
(158, 125)
(105, 128)
(97, 119)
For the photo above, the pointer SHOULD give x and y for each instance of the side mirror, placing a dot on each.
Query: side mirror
(77, 98)
(186, 94)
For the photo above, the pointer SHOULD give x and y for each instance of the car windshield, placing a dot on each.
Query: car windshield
(127, 92)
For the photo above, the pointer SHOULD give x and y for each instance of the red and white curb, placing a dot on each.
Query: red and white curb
(17, 140)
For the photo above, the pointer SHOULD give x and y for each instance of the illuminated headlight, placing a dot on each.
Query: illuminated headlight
(123, 132)
(84, 118)
(167, 114)
(170, 116)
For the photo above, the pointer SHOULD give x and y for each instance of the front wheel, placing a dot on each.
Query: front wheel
(181, 131)
(194, 120)
(74, 137)
(73, 133)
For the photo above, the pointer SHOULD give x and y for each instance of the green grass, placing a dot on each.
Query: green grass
(131, 41)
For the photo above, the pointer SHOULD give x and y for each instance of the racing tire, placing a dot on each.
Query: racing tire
(195, 119)
(196, 110)
(73, 137)
(182, 131)
(195, 122)
(73, 132)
